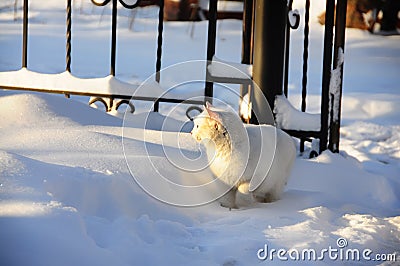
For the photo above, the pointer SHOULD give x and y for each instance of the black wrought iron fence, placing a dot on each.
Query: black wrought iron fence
(106, 98)
(261, 26)
(265, 45)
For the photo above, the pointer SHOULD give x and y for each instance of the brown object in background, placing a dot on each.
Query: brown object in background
(355, 10)
(187, 10)
(180, 9)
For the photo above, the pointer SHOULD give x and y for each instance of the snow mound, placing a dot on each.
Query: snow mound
(367, 131)
(107, 216)
(357, 230)
(32, 110)
(361, 188)
(379, 108)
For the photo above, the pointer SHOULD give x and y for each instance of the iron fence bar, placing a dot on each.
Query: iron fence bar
(340, 31)
(160, 38)
(159, 47)
(212, 35)
(305, 56)
(68, 44)
(306, 135)
(228, 80)
(287, 46)
(113, 36)
(113, 31)
(25, 35)
(326, 73)
(305, 63)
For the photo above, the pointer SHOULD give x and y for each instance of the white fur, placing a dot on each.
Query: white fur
(255, 161)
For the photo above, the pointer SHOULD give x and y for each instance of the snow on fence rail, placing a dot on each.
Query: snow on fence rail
(108, 87)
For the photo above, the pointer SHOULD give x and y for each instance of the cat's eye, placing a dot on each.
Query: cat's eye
(197, 126)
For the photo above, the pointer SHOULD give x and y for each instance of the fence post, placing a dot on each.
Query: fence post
(247, 44)
(25, 35)
(340, 29)
(269, 52)
(326, 74)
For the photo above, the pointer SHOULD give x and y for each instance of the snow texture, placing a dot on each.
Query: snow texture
(335, 85)
(288, 117)
(221, 68)
(66, 82)
(227, 6)
(245, 107)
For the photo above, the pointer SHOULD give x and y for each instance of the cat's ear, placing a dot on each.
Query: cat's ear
(212, 114)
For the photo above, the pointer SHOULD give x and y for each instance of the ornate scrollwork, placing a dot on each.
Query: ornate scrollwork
(99, 99)
(294, 24)
(105, 2)
(131, 106)
(191, 108)
(109, 103)
(101, 4)
(313, 154)
(136, 4)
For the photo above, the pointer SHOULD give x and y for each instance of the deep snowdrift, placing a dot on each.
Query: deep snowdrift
(68, 198)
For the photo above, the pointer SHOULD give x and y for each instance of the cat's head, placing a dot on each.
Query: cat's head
(208, 125)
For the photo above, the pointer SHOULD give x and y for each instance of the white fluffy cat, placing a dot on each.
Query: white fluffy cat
(254, 161)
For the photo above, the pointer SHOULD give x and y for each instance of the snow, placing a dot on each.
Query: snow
(245, 107)
(109, 85)
(288, 117)
(67, 196)
(228, 6)
(334, 86)
(65, 81)
(221, 68)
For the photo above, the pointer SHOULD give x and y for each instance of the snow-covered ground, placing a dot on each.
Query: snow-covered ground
(67, 196)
